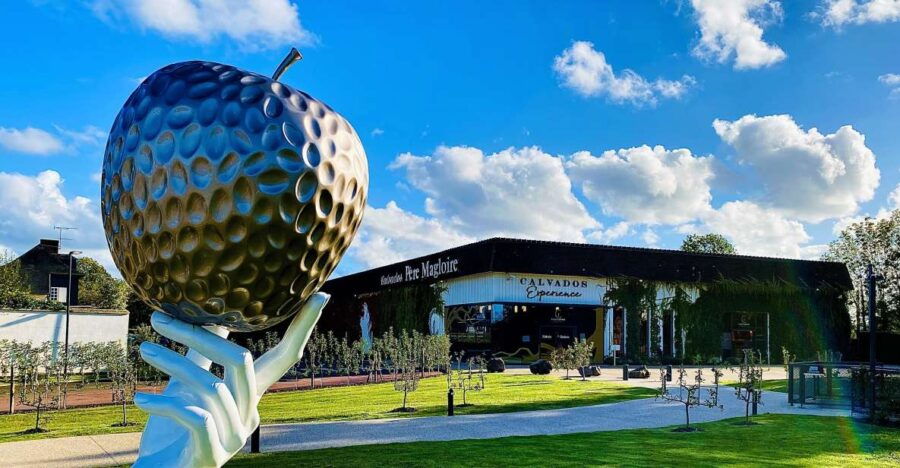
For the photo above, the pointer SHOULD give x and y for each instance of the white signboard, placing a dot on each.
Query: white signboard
(525, 289)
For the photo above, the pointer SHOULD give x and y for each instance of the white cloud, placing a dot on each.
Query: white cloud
(29, 140)
(611, 234)
(586, 71)
(735, 28)
(31, 206)
(755, 230)
(391, 234)
(894, 199)
(377, 132)
(256, 24)
(649, 237)
(89, 135)
(804, 174)
(644, 184)
(837, 13)
(884, 212)
(516, 192)
(891, 80)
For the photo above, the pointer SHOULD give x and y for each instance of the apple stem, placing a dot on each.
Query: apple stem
(292, 57)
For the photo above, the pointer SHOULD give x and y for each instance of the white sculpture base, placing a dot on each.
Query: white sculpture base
(200, 420)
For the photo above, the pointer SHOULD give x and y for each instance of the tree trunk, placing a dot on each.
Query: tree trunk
(37, 418)
(687, 415)
(404, 398)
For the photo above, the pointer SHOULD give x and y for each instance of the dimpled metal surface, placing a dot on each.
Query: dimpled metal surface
(229, 198)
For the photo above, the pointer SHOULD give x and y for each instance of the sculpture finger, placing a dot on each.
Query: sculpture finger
(196, 420)
(271, 366)
(212, 393)
(237, 361)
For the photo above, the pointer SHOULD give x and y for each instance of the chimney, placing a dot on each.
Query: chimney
(50, 245)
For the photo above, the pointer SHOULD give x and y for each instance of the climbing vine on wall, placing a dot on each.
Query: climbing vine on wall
(407, 307)
(805, 320)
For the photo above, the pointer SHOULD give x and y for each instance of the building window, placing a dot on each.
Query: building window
(58, 294)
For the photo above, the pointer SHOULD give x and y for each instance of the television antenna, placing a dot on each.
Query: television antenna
(61, 229)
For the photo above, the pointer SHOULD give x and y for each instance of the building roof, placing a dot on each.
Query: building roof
(604, 261)
(43, 260)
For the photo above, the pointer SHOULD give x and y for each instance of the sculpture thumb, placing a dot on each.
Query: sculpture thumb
(272, 365)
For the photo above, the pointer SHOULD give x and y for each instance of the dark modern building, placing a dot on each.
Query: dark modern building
(520, 299)
(48, 272)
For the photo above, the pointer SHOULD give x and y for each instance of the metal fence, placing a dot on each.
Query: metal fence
(846, 385)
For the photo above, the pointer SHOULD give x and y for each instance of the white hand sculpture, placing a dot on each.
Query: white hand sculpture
(200, 420)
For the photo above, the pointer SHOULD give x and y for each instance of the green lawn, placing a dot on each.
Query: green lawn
(503, 393)
(783, 440)
(775, 385)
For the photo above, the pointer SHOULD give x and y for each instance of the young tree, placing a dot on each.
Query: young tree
(707, 243)
(689, 394)
(124, 381)
(582, 351)
(563, 358)
(35, 386)
(750, 376)
(375, 358)
(788, 358)
(406, 374)
(468, 379)
(346, 357)
(315, 349)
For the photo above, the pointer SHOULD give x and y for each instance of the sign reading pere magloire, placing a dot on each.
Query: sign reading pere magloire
(426, 269)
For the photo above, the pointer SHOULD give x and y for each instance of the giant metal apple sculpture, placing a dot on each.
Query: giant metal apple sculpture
(229, 197)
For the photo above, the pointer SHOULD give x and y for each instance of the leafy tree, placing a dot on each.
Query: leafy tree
(13, 283)
(707, 243)
(98, 288)
(873, 242)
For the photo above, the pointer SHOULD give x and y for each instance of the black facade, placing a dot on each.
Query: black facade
(808, 312)
(46, 268)
(570, 259)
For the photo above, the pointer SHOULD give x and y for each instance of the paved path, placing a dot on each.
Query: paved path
(116, 449)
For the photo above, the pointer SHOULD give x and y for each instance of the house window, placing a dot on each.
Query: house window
(58, 294)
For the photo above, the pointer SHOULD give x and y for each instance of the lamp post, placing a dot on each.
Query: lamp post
(871, 279)
(72, 255)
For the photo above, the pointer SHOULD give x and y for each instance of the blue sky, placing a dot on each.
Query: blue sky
(525, 119)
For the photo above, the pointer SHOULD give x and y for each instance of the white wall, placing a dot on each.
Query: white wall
(41, 326)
